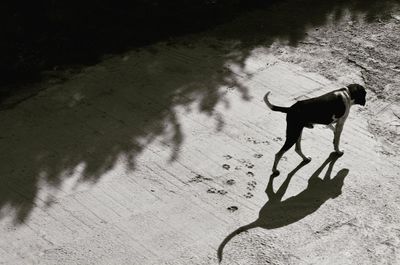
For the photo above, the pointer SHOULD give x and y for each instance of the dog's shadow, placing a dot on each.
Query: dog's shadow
(277, 213)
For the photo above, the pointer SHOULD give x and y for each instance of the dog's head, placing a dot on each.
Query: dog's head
(357, 93)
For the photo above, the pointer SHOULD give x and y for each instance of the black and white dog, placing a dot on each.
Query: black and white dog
(332, 107)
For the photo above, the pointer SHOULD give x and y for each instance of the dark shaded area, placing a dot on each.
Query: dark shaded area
(47, 35)
(277, 213)
(57, 35)
(86, 124)
(112, 112)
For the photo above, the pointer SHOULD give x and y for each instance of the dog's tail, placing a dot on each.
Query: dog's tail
(233, 234)
(273, 107)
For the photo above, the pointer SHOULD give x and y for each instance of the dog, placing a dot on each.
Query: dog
(330, 108)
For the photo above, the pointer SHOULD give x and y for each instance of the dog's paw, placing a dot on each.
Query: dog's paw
(275, 172)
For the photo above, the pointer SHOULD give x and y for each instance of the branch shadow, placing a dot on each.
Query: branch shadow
(277, 213)
(85, 126)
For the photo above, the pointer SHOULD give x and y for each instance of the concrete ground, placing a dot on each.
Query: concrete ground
(156, 156)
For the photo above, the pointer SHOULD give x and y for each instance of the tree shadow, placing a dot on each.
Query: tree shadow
(48, 35)
(277, 213)
(289, 20)
(115, 110)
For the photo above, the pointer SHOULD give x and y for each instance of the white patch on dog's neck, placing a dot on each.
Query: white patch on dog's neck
(347, 96)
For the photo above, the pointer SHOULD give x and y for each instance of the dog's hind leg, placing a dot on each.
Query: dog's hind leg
(298, 149)
(292, 134)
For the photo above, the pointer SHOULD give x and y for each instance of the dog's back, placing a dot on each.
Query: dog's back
(320, 110)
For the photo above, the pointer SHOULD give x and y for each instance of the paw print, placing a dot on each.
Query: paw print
(232, 208)
(211, 190)
(230, 181)
(226, 166)
(250, 174)
(214, 191)
(251, 185)
(227, 157)
(222, 192)
(258, 155)
(246, 163)
(248, 195)
(252, 140)
(249, 165)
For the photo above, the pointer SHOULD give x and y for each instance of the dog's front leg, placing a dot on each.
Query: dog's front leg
(337, 133)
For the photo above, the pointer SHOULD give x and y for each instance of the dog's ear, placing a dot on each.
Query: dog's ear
(357, 93)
